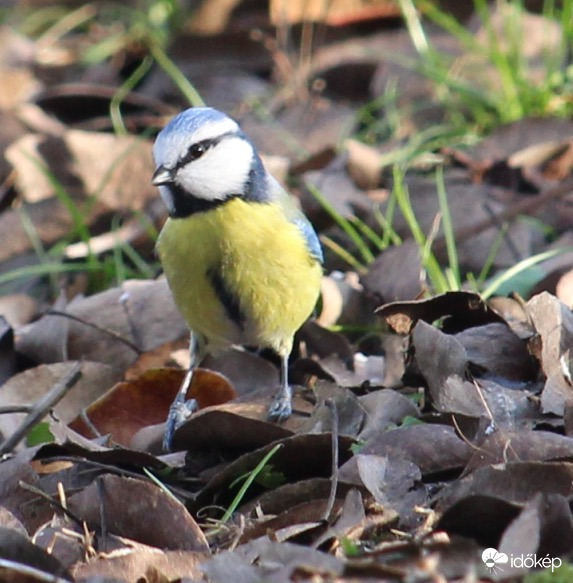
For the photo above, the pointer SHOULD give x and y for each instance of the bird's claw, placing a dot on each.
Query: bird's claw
(281, 407)
(179, 412)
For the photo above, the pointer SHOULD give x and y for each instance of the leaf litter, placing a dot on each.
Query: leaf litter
(425, 430)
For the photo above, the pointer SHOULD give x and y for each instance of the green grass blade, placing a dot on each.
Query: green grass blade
(80, 228)
(46, 269)
(129, 84)
(368, 232)
(492, 255)
(429, 261)
(250, 479)
(186, 88)
(521, 266)
(342, 253)
(448, 227)
(385, 221)
(343, 223)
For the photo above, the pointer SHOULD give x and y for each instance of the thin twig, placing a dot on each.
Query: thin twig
(111, 333)
(334, 478)
(40, 409)
(9, 409)
(95, 465)
(102, 512)
(55, 503)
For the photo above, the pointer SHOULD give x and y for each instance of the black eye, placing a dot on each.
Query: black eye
(196, 151)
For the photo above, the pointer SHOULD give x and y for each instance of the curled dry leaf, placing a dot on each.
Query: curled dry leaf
(246, 371)
(9, 520)
(21, 502)
(113, 168)
(129, 406)
(443, 362)
(349, 519)
(458, 310)
(139, 510)
(553, 322)
(337, 13)
(136, 404)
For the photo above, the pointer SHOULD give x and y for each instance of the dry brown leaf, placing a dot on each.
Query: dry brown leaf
(235, 426)
(128, 406)
(139, 510)
(553, 322)
(17, 551)
(458, 310)
(29, 386)
(142, 563)
(142, 312)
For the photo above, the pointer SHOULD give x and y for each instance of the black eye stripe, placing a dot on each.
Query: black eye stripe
(195, 151)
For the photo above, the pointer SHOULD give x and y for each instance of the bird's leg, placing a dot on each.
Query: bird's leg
(281, 407)
(180, 409)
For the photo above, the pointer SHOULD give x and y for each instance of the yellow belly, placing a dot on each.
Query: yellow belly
(262, 259)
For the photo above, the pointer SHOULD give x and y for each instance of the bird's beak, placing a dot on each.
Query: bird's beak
(161, 176)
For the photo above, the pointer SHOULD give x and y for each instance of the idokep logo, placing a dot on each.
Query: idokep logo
(494, 560)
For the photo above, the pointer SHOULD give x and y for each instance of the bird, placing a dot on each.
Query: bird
(242, 261)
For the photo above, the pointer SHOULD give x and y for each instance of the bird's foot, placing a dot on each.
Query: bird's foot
(281, 407)
(179, 412)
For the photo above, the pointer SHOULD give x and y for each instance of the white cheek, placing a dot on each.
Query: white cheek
(221, 172)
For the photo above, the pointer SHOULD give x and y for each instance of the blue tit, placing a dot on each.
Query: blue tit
(242, 261)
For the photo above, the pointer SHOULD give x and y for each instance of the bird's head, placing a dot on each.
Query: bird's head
(203, 158)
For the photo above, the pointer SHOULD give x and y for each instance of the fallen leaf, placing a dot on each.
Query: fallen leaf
(553, 321)
(30, 386)
(142, 563)
(458, 310)
(139, 510)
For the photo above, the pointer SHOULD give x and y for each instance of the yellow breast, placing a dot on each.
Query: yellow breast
(263, 260)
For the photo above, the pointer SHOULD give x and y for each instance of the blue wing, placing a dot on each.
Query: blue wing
(311, 238)
(295, 216)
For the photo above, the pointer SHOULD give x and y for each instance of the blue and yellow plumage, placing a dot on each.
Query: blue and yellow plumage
(243, 263)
